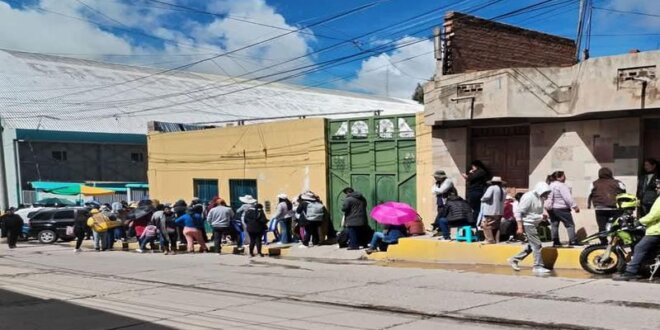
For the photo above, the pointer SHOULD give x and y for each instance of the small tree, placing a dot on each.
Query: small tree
(418, 95)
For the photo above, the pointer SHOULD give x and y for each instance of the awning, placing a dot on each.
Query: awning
(47, 185)
(138, 186)
(81, 190)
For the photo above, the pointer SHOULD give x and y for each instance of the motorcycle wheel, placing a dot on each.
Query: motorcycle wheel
(590, 260)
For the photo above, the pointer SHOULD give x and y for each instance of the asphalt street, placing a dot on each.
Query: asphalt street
(51, 287)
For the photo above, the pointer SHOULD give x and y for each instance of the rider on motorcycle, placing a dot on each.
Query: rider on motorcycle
(645, 248)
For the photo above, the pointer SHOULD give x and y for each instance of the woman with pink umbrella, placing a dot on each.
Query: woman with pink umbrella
(394, 216)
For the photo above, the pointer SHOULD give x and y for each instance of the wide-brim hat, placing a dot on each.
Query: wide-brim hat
(308, 196)
(282, 196)
(247, 199)
(440, 174)
(496, 179)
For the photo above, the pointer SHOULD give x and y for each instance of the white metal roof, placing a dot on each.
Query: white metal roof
(66, 94)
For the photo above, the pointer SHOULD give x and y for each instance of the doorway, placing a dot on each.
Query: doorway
(505, 151)
(239, 188)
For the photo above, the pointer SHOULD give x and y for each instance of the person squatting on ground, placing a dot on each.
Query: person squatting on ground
(530, 215)
(355, 218)
(389, 236)
(648, 246)
(476, 179)
(12, 226)
(455, 213)
(149, 235)
(492, 208)
(603, 197)
(559, 205)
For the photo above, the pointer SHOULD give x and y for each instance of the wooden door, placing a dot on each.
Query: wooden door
(505, 151)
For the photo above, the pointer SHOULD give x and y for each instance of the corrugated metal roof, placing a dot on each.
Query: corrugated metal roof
(66, 94)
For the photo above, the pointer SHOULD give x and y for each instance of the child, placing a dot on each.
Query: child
(149, 235)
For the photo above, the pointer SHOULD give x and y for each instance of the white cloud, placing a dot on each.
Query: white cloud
(382, 75)
(642, 6)
(34, 30)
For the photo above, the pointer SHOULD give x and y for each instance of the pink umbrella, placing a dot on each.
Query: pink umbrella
(394, 213)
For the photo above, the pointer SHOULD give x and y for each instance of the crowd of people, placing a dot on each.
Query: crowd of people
(489, 209)
(306, 220)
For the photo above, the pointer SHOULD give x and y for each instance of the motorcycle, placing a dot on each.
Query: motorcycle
(623, 233)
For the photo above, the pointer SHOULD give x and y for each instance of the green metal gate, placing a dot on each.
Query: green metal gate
(376, 156)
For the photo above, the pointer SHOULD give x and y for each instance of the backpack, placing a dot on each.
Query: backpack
(315, 211)
(342, 238)
(150, 231)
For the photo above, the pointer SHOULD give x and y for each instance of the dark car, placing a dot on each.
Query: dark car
(49, 224)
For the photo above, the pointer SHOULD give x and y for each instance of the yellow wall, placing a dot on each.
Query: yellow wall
(284, 157)
(425, 200)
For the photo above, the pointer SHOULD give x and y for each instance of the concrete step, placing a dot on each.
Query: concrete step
(428, 249)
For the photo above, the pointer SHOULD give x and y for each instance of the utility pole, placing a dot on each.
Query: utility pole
(580, 29)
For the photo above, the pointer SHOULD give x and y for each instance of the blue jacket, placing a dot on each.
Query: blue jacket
(393, 233)
(190, 220)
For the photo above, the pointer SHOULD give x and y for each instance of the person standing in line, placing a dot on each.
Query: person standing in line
(313, 211)
(646, 186)
(79, 230)
(99, 224)
(603, 196)
(164, 220)
(559, 205)
(284, 215)
(355, 217)
(191, 222)
(476, 179)
(442, 188)
(493, 208)
(530, 215)
(12, 224)
(255, 220)
(219, 218)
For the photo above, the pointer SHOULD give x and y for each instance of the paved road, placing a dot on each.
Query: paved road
(49, 286)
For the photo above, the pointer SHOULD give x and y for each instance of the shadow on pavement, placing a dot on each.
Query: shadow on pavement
(19, 311)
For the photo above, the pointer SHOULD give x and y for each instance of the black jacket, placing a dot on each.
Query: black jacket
(476, 181)
(11, 222)
(646, 192)
(456, 209)
(255, 220)
(355, 210)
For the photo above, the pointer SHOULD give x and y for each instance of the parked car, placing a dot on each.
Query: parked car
(49, 224)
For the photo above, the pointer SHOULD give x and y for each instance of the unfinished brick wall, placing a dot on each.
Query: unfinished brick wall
(475, 44)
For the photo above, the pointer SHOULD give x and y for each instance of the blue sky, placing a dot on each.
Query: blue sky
(117, 31)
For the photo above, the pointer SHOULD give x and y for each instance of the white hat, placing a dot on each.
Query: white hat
(282, 196)
(496, 179)
(247, 199)
(308, 196)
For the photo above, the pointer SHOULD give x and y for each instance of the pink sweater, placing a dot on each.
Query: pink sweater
(560, 197)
